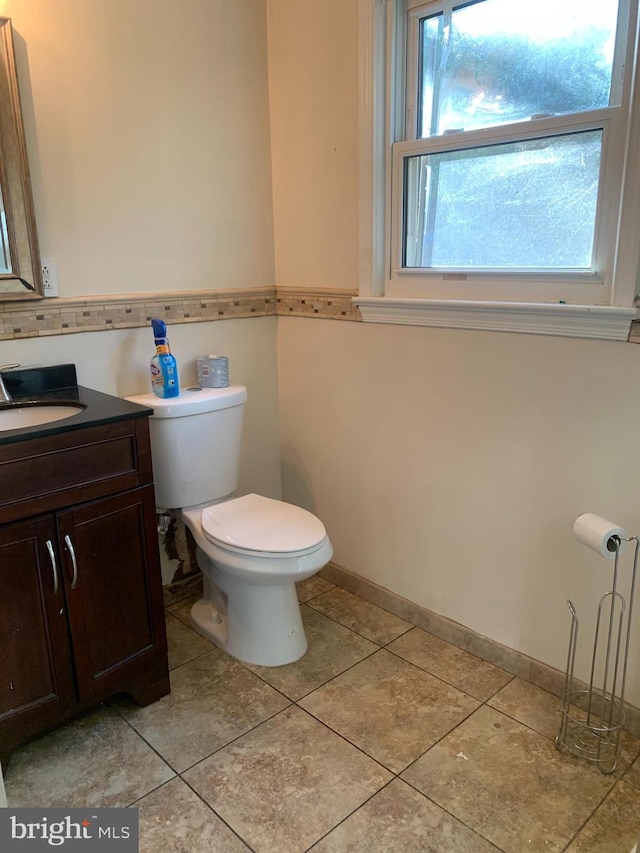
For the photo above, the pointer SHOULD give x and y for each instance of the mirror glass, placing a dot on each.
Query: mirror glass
(20, 275)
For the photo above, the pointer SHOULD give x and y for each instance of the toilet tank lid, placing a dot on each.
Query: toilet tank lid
(256, 523)
(192, 401)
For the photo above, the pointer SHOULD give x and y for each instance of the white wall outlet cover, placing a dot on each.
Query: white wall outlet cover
(49, 276)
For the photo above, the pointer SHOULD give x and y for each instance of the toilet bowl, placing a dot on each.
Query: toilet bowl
(252, 550)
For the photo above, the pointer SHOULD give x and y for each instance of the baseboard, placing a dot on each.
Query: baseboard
(528, 669)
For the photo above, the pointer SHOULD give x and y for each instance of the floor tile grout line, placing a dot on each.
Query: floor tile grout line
(144, 740)
(152, 791)
(462, 720)
(522, 723)
(361, 749)
(351, 813)
(322, 684)
(346, 740)
(295, 702)
(244, 666)
(364, 601)
(633, 784)
(324, 725)
(184, 662)
(412, 626)
(356, 631)
(180, 774)
(219, 816)
(318, 594)
(495, 692)
(448, 683)
(591, 814)
(588, 818)
(450, 813)
(552, 739)
(237, 737)
(191, 788)
(403, 634)
(442, 737)
(210, 754)
(337, 675)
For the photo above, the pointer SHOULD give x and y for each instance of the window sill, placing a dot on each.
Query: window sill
(604, 322)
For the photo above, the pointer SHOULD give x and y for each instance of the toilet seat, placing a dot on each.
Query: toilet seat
(255, 525)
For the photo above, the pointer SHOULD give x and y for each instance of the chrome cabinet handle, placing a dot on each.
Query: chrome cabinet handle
(52, 557)
(74, 562)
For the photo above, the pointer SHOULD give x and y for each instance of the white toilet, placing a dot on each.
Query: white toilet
(252, 550)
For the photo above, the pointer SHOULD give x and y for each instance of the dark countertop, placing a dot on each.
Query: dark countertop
(57, 385)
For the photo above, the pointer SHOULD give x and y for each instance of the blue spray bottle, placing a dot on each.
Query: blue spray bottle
(164, 370)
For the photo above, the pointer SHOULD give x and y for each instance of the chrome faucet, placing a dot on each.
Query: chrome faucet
(5, 396)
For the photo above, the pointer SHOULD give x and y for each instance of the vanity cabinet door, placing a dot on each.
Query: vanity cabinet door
(36, 680)
(111, 565)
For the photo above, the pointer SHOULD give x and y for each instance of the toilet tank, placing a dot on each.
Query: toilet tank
(195, 444)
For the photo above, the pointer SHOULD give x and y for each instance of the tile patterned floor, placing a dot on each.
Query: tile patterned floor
(382, 738)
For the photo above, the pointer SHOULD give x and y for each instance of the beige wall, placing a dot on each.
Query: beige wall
(148, 133)
(148, 136)
(313, 89)
(448, 465)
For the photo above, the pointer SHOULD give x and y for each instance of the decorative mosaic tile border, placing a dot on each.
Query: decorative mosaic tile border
(528, 669)
(318, 303)
(69, 315)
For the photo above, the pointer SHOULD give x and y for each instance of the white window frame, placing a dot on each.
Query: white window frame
(586, 305)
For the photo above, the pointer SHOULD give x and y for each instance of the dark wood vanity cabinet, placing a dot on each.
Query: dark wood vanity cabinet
(37, 684)
(81, 611)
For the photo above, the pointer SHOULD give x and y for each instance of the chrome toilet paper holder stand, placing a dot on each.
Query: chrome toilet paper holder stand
(593, 716)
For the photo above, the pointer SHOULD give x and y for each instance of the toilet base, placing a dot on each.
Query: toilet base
(209, 622)
(262, 624)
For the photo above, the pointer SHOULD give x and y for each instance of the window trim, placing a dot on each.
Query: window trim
(605, 322)
(377, 301)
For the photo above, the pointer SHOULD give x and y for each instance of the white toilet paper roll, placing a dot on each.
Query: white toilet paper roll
(597, 533)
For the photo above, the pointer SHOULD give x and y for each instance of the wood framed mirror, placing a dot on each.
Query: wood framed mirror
(20, 272)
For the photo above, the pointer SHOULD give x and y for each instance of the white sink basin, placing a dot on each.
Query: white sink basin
(26, 415)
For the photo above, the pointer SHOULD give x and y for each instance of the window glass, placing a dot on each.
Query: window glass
(523, 204)
(494, 62)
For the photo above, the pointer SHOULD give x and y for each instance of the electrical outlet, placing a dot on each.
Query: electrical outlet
(49, 276)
